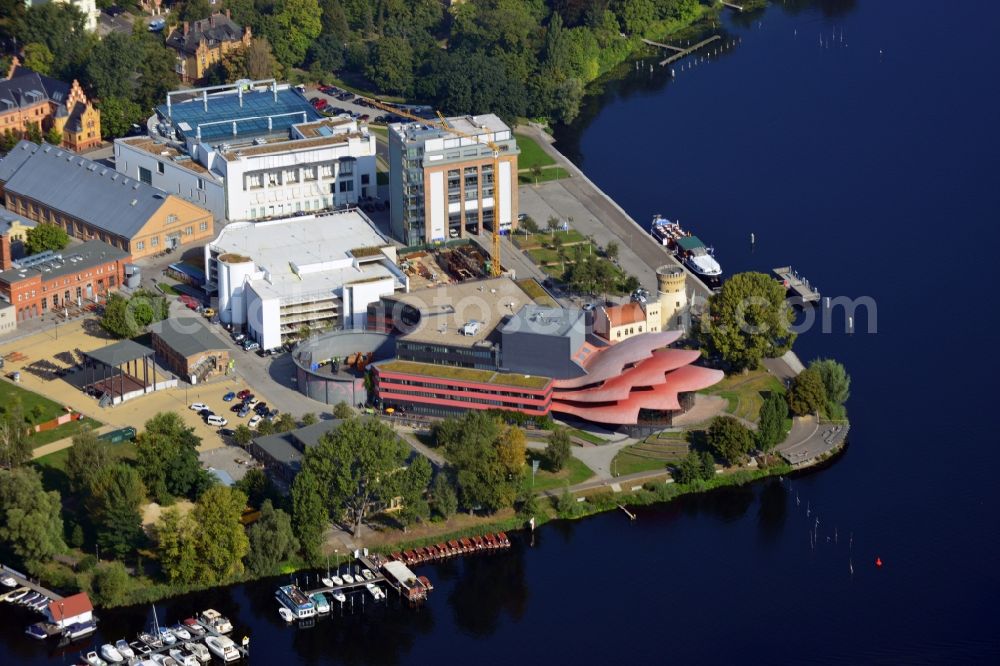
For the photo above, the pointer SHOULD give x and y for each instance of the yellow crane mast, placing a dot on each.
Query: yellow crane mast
(442, 124)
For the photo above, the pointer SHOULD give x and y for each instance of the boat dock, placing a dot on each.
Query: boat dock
(796, 284)
(681, 52)
(210, 631)
(24, 582)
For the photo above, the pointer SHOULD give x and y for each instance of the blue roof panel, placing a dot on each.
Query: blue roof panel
(285, 109)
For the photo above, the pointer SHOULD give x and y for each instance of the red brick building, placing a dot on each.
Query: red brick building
(76, 276)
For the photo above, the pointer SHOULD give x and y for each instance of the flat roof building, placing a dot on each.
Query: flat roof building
(312, 272)
(442, 184)
(289, 161)
(91, 201)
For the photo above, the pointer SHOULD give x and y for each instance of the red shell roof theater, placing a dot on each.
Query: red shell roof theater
(518, 355)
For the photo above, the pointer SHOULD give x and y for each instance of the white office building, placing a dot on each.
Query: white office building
(253, 154)
(442, 183)
(316, 271)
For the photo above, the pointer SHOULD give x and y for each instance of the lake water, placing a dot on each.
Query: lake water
(859, 142)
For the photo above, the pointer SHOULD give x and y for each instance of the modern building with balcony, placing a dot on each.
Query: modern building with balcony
(442, 184)
(282, 278)
(256, 151)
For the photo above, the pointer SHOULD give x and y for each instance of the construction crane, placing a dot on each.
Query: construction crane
(442, 124)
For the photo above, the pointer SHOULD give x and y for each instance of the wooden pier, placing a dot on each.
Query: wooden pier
(23, 581)
(797, 285)
(681, 52)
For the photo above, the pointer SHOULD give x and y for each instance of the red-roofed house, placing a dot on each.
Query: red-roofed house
(621, 322)
(77, 608)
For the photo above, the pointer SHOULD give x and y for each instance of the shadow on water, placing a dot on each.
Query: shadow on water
(772, 511)
(488, 587)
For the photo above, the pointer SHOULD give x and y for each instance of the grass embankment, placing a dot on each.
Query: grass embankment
(39, 409)
(745, 393)
(572, 473)
(586, 436)
(535, 291)
(652, 454)
(53, 466)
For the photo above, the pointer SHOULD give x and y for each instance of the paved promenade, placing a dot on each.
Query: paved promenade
(595, 214)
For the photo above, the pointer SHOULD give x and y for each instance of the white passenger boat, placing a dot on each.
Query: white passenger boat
(199, 651)
(111, 653)
(182, 658)
(124, 649)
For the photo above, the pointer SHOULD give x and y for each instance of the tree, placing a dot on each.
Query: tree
(558, 450)
(116, 494)
(836, 381)
(176, 536)
(695, 466)
(553, 223)
(265, 427)
(391, 65)
(45, 236)
(254, 61)
(243, 435)
(60, 27)
(630, 284)
(342, 410)
(326, 54)
(271, 539)
(39, 58)
(168, 459)
(413, 491)
(747, 320)
(221, 543)
(30, 521)
(611, 250)
(354, 466)
(34, 132)
(309, 514)
(309, 418)
(511, 449)
(118, 114)
(486, 478)
(8, 140)
(707, 464)
(536, 173)
(807, 394)
(529, 224)
(730, 439)
(53, 137)
(257, 486)
(445, 500)
(110, 583)
(771, 422)
(195, 10)
(15, 447)
(291, 28)
(285, 423)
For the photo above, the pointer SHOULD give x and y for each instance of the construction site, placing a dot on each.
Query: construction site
(445, 265)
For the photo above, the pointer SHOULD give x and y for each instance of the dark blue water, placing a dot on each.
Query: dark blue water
(876, 174)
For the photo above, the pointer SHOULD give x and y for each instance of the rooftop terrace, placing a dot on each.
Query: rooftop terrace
(464, 374)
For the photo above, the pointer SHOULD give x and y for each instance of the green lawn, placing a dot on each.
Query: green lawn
(655, 453)
(38, 409)
(531, 287)
(547, 174)
(542, 255)
(573, 473)
(544, 237)
(745, 393)
(586, 436)
(464, 374)
(531, 153)
(167, 289)
(53, 466)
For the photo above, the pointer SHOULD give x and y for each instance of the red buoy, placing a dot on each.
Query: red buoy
(878, 562)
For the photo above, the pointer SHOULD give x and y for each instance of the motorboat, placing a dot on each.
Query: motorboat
(328, 582)
(367, 574)
(222, 647)
(18, 595)
(150, 640)
(141, 649)
(286, 614)
(180, 632)
(8, 582)
(337, 580)
(124, 649)
(322, 605)
(199, 651)
(164, 660)
(216, 620)
(30, 599)
(193, 627)
(92, 659)
(80, 629)
(166, 636)
(111, 653)
(182, 658)
(40, 604)
(339, 596)
(373, 590)
(348, 578)
(37, 631)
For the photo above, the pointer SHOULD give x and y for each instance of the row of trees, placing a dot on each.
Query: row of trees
(822, 387)
(128, 316)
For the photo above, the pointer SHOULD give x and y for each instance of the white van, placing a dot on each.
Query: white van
(216, 420)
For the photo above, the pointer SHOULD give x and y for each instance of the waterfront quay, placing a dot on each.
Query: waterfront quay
(579, 202)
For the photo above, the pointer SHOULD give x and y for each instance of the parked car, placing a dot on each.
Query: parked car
(251, 345)
(216, 420)
(226, 432)
(314, 100)
(260, 408)
(254, 421)
(236, 408)
(239, 337)
(250, 402)
(198, 406)
(229, 397)
(205, 413)
(244, 410)
(242, 395)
